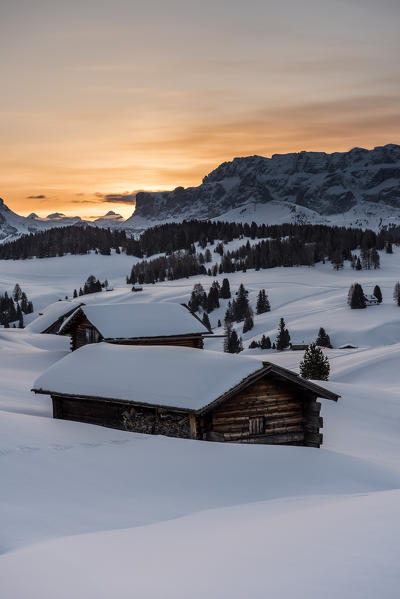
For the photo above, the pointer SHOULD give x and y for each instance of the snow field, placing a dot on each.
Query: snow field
(96, 513)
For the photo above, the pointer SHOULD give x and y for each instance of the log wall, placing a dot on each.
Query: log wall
(83, 328)
(268, 412)
(123, 416)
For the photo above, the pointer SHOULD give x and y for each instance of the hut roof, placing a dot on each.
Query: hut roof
(51, 314)
(176, 377)
(136, 320)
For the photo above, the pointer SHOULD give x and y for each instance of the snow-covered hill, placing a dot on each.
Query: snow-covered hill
(92, 512)
(358, 188)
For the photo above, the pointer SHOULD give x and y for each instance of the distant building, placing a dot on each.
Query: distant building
(135, 324)
(370, 300)
(183, 392)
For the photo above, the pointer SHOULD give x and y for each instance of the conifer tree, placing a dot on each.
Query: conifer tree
(265, 342)
(232, 343)
(396, 294)
(206, 321)
(225, 291)
(389, 248)
(315, 365)
(241, 304)
(378, 293)
(17, 293)
(358, 264)
(283, 338)
(323, 339)
(198, 298)
(356, 297)
(248, 321)
(75, 293)
(374, 258)
(254, 344)
(263, 304)
(228, 332)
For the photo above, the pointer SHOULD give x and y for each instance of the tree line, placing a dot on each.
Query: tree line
(315, 242)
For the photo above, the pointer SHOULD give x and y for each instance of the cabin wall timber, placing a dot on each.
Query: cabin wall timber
(122, 415)
(83, 332)
(268, 411)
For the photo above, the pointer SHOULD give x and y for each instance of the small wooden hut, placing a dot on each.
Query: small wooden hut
(135, 323)
(181, 392)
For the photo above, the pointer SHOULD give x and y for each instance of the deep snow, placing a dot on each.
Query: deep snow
(90, 512)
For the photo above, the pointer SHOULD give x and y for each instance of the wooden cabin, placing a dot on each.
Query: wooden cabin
(135, 323)
(181, 392)
(52, 317)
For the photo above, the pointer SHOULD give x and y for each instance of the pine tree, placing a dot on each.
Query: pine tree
(206, 321)
(21, 321)
(265, 342)
(315, 365)
(389, 248)
(241, 304)
(24, 303)
(75, 293)
(235, 345)
(248, 321)
(356, 297)
(225, 291)
(374, 258)
(17, 293)
(198, 298)
(323, 339)
(219, 323)
(254, 345)
(358, 264)
(283, 338)
(378, 293)
(228, 333)
(396, 294)
(263, 304)
(232, 343)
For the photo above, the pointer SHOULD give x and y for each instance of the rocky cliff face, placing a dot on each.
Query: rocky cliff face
(327, 184)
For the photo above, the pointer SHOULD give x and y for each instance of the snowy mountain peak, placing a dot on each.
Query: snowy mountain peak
(314, 185)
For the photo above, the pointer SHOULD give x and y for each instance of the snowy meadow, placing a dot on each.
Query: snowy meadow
(96, 513)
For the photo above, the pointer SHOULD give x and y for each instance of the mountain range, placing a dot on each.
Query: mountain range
(356, 188)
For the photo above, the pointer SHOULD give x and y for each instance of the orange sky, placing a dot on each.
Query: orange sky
(102, 97)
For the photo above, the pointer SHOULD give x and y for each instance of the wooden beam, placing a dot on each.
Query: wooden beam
(193, 426)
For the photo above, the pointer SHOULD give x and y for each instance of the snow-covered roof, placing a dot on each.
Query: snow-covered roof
(137, 319)
(50, 315)
(161, 375)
